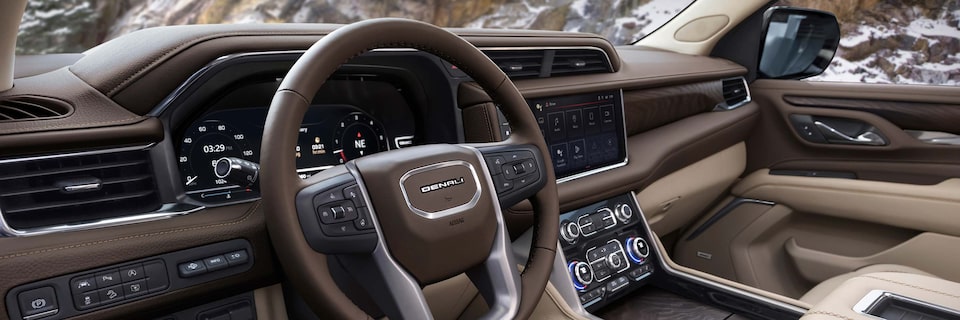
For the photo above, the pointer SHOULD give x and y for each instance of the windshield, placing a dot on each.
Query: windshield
(55, 26)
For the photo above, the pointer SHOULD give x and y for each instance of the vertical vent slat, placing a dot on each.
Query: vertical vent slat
(735, 93)
(36, 193)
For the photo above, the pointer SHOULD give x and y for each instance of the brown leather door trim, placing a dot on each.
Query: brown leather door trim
(774, 144)
(906, 115)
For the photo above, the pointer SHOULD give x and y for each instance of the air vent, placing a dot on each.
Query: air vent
(518, 64)
(735, 93)
(77, 189)
(543, 63)
(32, 108)
(579, 61)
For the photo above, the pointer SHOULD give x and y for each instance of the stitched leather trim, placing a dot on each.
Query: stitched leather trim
(246, 216)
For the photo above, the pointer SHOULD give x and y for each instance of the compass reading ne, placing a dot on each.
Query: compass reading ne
(359, 135)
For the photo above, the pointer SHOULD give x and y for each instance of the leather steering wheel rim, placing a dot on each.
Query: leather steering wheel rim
(306, 268)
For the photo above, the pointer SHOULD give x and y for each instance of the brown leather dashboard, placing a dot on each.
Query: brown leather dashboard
(117, 84)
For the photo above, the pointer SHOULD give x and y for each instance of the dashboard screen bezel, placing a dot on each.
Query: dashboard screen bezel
(621, 132)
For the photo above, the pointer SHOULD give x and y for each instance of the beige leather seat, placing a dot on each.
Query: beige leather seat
(824, 288)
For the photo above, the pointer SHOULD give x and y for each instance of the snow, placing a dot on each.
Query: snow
(658, 12)
(931, 28)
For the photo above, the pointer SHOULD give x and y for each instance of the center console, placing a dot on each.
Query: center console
(607, 250)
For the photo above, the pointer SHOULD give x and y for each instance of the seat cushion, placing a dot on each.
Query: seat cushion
(824, 288)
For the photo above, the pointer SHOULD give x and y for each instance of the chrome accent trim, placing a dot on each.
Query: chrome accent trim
(722, 106)
(83, 187)
(868, 301)
(626, 152)
(410, 298)
(446, 212)
(396, 141)
(605, 55)
(318, 169)
(873, 299)
(655, 245)
(866, 138)
(42, 314)
(164, 212)
(501, 264)
(79, 154)
(560, 278)
(935, 137)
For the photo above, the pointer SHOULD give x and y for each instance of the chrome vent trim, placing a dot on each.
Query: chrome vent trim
(736, 93)
(22, 108)
(44, 194)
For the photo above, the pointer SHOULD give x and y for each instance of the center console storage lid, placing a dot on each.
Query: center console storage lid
(928, 294)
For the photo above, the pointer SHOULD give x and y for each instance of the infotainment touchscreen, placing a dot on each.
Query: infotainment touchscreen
(585, 133)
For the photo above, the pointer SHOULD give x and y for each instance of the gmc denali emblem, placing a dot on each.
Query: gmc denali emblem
(441, 185)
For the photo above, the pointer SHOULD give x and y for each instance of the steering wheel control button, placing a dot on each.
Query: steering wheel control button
(363, 221)
(342, 229)
(215, 263)
(108, 278)
(86, 300)
(130, 273)
(328, 196)
(111, 294)
(237, 258)
(494, 163)
(502, 184)
(38, 303)
(353, 193)
(192, 269)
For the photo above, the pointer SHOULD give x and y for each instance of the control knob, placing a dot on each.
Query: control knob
(624, 212)
(581, 274)
(569, 231)
(615, 260)
(637, 249)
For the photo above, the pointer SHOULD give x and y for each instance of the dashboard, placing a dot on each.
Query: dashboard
(188, 106)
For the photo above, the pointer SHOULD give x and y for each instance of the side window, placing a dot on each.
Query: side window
(887, 41)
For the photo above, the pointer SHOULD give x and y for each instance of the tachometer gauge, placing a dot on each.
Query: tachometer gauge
(203, 144)
(359, 135)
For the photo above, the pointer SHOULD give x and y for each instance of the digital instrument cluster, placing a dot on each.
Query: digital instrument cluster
(331, 134)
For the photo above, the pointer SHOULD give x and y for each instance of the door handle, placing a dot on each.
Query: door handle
(865, 138)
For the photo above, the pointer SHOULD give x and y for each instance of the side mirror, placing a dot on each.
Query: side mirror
(798, 43)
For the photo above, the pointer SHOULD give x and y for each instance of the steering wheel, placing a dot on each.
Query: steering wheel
(402, 219)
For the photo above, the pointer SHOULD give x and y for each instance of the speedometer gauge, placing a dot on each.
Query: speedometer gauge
(202, 145)
(359, 135)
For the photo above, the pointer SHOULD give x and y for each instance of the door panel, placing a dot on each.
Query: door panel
(829, 208)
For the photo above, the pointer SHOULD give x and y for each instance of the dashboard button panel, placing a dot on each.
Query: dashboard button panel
(75, 294)
(608, 241)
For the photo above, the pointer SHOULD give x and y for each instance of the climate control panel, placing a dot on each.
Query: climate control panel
(607, 250)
